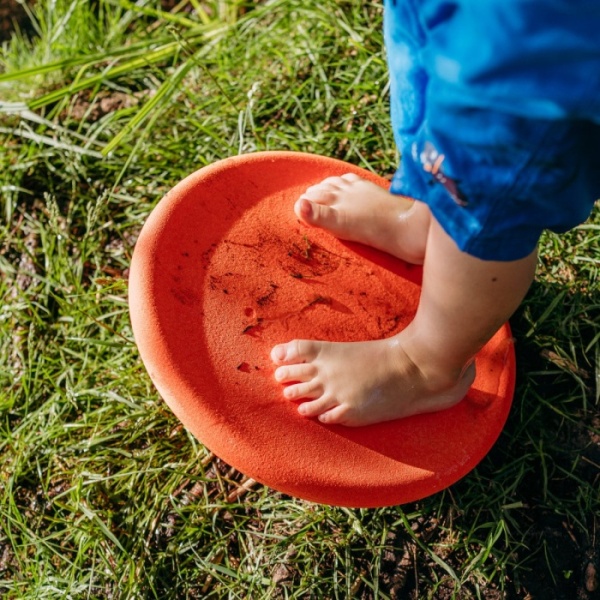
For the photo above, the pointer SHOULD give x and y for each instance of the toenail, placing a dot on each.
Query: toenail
(280, 374)
(306, 208)
(278, 353)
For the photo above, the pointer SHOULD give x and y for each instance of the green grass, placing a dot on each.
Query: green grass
(102, 493)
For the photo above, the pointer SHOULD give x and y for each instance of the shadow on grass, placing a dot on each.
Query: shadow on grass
(548, 458)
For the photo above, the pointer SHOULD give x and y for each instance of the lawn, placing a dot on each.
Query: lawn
(104, 106)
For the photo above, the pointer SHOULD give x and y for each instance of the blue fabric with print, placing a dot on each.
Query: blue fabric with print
(496, 110)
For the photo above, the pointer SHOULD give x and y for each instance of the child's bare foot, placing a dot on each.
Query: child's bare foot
(363, 382)
(357, 210)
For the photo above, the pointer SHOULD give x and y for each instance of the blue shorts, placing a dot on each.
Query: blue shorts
(496, 112)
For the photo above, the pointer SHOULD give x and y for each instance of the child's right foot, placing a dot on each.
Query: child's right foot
(357, 210)
(361, 383)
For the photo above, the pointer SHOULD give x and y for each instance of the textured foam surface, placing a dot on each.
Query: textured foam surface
(223, 270)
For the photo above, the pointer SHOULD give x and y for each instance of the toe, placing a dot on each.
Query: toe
(304, 209)
(331, 182)
(334, 415)
(295, 373)
(298, 391)
(317, 407)
(296, 351)
(314, 213)
(350, 177)
(324, 191)
(320, 194)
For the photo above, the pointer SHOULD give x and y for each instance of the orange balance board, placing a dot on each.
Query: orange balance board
(223, 270)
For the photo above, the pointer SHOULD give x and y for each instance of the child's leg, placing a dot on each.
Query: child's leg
(425, 368)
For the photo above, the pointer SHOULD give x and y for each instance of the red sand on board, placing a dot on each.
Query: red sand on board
(223, 271)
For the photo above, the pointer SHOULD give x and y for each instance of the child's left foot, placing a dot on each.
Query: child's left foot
(362, 383)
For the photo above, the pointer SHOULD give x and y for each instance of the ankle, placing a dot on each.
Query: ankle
(410, 235)
(439, 371)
